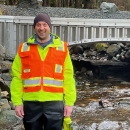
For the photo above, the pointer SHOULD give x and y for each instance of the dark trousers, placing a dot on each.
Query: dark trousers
(48, 115)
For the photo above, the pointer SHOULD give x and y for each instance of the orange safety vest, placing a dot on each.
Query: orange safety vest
(38, 74)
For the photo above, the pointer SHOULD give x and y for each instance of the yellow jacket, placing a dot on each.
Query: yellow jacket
(17, 94)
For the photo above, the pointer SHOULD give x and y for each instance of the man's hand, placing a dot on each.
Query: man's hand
(19, 111)
(68, 110)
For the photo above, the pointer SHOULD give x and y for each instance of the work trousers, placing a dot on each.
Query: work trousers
(43, 115)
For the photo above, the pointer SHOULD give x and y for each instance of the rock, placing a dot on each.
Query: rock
(0, 93)
(121, 45)
(6, 77)
(7, 63)
(94, 53)
(89, 73)
(115, 59)
(101, 46)
(4, 87)
(127, 45)
(5, 105)
(9, 117)
(11, 105)
(78, 65)
(9, 56)
(108, 7)
(4, 68)
(127, 55)
(76, 50)
(108, 125)
(4, 94)
(87, 53)
(113, 49)
(2, 52)
(105, 103)
(87, 84)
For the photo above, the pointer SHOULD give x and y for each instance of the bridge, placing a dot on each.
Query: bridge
(16, 29)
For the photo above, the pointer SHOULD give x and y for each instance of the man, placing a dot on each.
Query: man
(43, 88)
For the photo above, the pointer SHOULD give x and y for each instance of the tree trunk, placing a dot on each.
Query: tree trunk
(85, 4)
(60, 3)
(48, 3)
(66, 3)
(63, 3)
(44, 3)
(76, 3)
(10, 2)
(71, 3)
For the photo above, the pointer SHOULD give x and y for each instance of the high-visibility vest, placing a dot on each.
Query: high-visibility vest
(38, 74)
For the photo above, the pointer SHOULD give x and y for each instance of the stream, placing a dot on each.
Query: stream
(103, 103)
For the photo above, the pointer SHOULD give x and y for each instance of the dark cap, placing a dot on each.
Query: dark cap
(42, 17)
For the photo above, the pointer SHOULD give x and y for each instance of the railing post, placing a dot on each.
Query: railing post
(12, 46)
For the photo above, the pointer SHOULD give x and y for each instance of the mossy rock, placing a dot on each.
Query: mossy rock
(101, 46)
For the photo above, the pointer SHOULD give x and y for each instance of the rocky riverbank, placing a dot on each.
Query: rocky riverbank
(8, 118)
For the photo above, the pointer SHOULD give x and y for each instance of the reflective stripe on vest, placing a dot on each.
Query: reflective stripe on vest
(32, 81)
(58, 68)
(35, 84)
(52, 82)
(26, 70)
(25, 47)
(61, 48)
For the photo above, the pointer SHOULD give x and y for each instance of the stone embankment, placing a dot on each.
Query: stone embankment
(89, 59)
(102, 53)
(8, 118)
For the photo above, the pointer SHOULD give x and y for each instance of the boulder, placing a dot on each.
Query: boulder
(108, 7)
(113, 49)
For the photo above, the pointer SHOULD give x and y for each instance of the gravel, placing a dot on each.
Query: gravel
(64, 12)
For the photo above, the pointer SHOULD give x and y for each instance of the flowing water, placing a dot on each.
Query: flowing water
(103, 103)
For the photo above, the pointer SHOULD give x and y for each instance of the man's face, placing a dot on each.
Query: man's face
(42, 30)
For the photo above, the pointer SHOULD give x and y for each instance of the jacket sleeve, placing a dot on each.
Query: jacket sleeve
(16, 83)
(69, 82)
